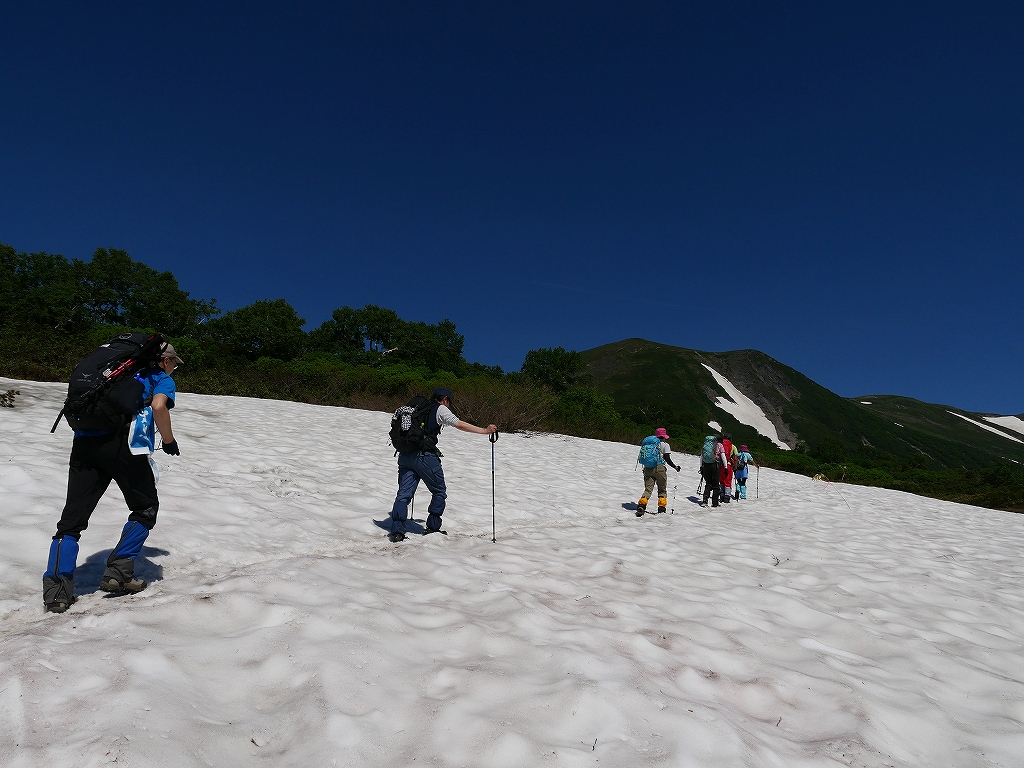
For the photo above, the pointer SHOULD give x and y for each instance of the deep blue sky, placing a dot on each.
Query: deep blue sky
(840, 185)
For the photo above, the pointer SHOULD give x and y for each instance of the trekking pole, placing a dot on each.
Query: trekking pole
(757, 483)
(493, 438)
(673, 508)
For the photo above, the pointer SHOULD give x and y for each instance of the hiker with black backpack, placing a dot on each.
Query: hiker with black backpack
(713, 458)
(655, 454)
(118, 397)
(414, 431)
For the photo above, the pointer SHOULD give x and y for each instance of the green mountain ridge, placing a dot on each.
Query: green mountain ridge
(652, 382)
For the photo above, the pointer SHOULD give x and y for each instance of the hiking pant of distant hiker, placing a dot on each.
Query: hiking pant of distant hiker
(712, 487)
(413, 467)
(741, 482)
(659, 475)
(95, 461)
(726, 480)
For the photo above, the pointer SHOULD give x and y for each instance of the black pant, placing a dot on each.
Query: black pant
(95, 461)
(712, 486)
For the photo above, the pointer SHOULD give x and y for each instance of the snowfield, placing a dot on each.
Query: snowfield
(282, 629)
(1008, 422)
(744, 410)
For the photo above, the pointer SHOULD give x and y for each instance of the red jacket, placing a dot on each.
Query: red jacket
(726, 474)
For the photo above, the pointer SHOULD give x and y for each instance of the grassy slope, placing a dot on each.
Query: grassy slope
(961, 441)
(670, 384)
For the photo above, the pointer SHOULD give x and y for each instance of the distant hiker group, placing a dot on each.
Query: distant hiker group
(121, 395)
(721, 464)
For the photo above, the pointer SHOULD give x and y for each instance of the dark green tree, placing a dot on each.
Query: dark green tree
(51, 293)
(830, 451)
(341, 335)
(41, 291)
(555, 368)
(122, 291)
(380, 327)
(261, 329)
(383, 333)
(438, 346)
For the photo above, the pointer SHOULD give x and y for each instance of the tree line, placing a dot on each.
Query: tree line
(54, 310)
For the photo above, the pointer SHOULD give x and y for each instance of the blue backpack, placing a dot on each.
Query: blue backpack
(708, 453)
(650, 452)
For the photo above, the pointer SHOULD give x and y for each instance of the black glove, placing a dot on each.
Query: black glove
(677, 469)
(171, 448)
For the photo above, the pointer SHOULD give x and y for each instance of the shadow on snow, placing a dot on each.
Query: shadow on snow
(89, 573)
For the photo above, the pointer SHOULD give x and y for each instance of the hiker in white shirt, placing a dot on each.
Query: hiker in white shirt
(425, 465)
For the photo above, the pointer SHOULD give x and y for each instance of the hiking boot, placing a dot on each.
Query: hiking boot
(640, 511)
(120, 577)
(736, 496)
(396, 537)
(704, 504)
(58, 594)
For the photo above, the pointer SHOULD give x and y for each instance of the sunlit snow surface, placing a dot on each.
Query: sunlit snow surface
(282, 629)
(1008, 422)
(745, 410)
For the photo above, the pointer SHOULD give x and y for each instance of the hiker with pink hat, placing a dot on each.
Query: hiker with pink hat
(743, 460)
(655, 454)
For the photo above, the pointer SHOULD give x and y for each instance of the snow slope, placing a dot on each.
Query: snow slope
(986, 427)
(1008, 422)
(745, 410)
(282, 629)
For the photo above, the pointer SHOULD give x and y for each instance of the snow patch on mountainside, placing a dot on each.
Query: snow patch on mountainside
(745, 410)
(1008, 422)
(993, 430)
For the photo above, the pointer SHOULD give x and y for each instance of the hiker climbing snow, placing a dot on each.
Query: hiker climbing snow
(414, 432)
(725, 476)
(116, 397)
(743, 460)
(713, 460)
(655, 453)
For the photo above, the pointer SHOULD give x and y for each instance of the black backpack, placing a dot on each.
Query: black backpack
(409, 426)
(103, 393)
